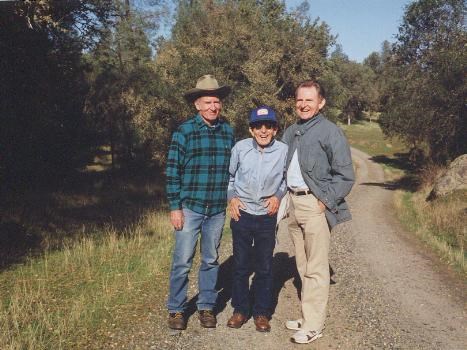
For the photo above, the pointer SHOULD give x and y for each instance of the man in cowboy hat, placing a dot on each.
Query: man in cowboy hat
(197, 179)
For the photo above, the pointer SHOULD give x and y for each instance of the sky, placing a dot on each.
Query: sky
(361, 25)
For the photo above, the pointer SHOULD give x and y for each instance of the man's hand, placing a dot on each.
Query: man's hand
(235, 205)
(272, 203)
(321, 206)
(177, 219)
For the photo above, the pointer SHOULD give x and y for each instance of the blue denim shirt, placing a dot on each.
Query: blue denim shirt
(255, 175)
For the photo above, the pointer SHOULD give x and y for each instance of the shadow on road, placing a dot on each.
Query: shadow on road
(284, 268)
(401, 161)
(223, 286)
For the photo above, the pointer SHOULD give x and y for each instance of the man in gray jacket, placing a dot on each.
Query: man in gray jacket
(319, 176)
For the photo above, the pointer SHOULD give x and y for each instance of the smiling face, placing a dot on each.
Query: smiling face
(209, 108)
(308, 102)
(263, 133)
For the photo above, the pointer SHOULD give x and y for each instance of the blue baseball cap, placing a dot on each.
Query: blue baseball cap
(263, 114)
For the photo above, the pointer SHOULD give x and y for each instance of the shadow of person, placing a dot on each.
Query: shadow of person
(284, 268)
(331, 274)
(223, 286)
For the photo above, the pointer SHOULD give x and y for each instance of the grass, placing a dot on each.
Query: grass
(86, 280)
(441, 223)
(76, 297)
(368, 137)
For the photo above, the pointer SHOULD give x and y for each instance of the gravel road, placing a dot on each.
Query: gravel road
(388, 291)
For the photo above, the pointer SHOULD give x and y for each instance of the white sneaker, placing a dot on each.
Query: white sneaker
(294, 325)
(305, 337)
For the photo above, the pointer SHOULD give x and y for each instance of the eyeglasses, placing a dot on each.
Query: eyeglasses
(259, 126)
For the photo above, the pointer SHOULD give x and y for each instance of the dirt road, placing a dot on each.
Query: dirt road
(388, 292)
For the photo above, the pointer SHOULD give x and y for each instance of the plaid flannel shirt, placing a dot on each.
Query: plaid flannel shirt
(198, 166)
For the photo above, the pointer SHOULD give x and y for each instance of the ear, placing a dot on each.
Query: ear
(322, 103)
(251, 132)
(197, 104)
(274, 131)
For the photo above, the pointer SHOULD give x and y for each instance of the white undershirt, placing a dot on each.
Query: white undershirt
(294, 174)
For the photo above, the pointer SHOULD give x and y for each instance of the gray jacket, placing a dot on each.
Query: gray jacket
(325, 163)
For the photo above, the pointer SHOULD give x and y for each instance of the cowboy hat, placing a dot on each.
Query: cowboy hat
(207, 85)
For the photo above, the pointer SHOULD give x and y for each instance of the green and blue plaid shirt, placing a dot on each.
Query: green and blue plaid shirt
(198, 166)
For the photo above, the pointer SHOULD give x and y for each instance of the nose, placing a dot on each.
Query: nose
(263, 128)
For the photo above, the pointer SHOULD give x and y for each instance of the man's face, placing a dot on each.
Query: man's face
(263, 133)
(209, 108)
(308, 102)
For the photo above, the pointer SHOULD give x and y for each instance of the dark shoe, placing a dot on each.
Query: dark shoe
(207, 319)
(177, 321)
(237, 320)
(262, 324)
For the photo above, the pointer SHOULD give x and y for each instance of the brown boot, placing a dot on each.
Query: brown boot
(262, 324)
(207, 319)
(237, 320)
(177, 321)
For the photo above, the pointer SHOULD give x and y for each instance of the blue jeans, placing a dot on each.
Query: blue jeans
(253, 245)
(210, 228)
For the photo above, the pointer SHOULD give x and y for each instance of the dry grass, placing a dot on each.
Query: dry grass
(441, 223)
(73, 298)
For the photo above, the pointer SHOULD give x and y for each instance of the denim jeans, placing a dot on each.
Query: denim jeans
(210, 229)
(253, 245)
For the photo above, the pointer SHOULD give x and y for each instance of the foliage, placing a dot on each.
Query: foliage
(425, 81)
(352, 87)
(256, 47)
(44, 132)
(122, 82)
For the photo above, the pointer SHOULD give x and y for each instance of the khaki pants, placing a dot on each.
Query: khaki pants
(310, 235)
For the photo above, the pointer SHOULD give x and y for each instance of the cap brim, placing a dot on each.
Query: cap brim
(193, 94)
(263, 121)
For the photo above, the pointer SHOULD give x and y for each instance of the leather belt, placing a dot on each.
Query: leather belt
(298, 193)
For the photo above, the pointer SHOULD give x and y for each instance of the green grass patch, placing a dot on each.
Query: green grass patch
(369, 138)
(76, 297)
(82, 295)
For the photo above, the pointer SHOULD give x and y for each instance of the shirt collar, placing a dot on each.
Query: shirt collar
(304, 125)
(201, 123)
(269, 148)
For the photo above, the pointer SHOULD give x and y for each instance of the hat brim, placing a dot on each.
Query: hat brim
(193, 94)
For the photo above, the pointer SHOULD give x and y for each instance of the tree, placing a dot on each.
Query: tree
(426, 89)
(123, 84)
(44, 132)
(351, 87)
(255, 46)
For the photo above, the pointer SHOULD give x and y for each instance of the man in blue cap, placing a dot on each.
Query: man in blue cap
(256, 186)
